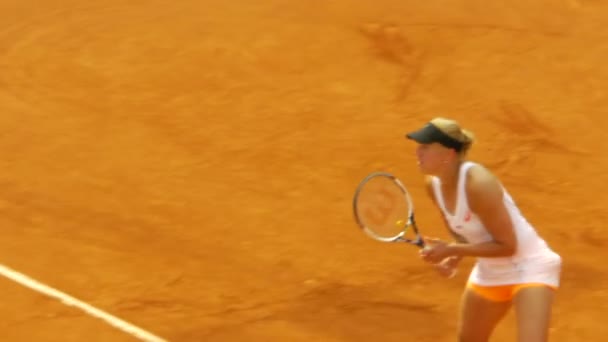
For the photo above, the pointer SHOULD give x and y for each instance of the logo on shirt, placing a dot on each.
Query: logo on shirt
(467, 216)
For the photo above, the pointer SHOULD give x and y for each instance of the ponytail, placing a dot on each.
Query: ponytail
(467, 140)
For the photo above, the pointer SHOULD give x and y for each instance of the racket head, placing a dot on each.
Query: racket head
(383, 207)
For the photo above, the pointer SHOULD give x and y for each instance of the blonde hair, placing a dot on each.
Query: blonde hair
(454, 131)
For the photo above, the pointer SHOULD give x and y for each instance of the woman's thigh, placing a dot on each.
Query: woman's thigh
(479, 316)
(533, 307)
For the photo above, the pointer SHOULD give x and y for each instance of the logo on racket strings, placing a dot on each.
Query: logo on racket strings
(384, 204)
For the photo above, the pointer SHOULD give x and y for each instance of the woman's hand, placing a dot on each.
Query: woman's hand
(435, 251)
(448, 267)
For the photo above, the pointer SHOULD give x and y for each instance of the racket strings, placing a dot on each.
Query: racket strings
(382, 207)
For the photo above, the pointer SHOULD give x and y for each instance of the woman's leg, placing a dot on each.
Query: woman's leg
(479, 315)
(533, 304)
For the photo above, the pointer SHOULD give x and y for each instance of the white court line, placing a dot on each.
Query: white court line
(71, 301)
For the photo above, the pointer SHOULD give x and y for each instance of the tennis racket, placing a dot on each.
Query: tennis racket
(384, 210)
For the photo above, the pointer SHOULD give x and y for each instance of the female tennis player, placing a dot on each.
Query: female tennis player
(514, 265)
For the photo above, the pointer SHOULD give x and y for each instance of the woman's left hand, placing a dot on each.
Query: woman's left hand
(435, 250)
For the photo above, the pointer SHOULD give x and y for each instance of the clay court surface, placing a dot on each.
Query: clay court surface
(188, 166)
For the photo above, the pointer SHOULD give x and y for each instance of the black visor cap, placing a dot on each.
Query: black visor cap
(431, 134)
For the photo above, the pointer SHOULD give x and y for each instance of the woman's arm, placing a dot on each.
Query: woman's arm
(485, 197)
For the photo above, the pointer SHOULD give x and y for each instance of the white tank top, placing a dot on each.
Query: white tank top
(531, 249)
